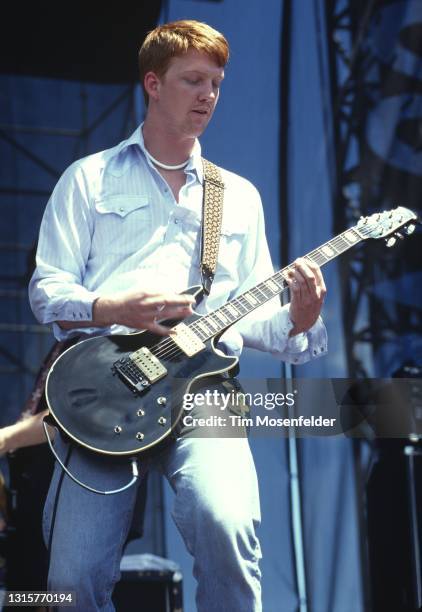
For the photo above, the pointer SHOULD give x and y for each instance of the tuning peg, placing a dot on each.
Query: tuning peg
(390, 242)
(400, 236)
(410, 229)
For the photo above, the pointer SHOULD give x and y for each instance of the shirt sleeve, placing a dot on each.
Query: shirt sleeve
(56, 290)
(268, 327)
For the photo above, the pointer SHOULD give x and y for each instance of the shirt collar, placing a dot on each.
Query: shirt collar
(195, 159)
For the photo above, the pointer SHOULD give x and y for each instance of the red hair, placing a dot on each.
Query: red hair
(175, 39)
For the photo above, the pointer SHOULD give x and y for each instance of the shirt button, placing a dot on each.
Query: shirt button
(122, 209)
(176, 221)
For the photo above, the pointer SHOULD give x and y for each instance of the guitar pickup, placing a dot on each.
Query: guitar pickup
(187, 340)
(148, 364)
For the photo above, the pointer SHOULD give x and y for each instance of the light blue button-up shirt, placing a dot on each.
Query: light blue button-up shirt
(112, 224)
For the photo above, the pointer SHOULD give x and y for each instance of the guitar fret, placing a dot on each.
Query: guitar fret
(350, 236)
(198, 330)
(282, 282)
(257, 288)
(201, 327)
(208, 324)
(250, 298)
(211, 324)
(214, 320)
(272, 285)
(318, 255)
(342, 243)
(274, 280)
(267, 292)
(243, 303)
(239, 306)
(327, 251)
(232, 310)
(220, 316)
(226, 311)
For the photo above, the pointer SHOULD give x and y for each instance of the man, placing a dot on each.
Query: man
(119, 240)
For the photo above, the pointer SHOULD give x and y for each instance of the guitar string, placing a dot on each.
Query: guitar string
(168, 348)
(159, 350)
(169, 343)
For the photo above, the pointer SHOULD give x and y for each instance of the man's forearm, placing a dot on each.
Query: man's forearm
(136, 310)
(27, 432)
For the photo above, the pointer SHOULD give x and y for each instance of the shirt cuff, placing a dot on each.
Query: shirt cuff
(74, 310)
(308, 345)
(302, 347)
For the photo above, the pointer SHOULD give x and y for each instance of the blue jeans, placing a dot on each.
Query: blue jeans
(216, 510)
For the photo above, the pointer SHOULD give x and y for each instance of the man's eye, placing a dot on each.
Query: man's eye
(193, 81)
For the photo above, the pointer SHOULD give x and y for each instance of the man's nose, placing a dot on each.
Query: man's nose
(208, 92)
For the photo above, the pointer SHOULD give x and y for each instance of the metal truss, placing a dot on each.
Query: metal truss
(374, 327)
(23, 343)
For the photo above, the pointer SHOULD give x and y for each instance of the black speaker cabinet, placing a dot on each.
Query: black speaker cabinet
(148, 584)
(394, 512)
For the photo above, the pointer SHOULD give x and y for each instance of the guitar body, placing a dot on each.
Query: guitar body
(92, 404)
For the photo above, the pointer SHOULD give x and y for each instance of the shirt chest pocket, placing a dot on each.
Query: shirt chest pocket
(233, 238)
(122, 224)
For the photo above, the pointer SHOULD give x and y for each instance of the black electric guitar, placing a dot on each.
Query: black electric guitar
(123, 394)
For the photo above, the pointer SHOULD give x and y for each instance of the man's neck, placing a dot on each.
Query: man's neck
(169, 148)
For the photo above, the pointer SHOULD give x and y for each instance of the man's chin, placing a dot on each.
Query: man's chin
(198, 126)
(200, 131)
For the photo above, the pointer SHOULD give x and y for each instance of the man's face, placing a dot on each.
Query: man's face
(186, 95)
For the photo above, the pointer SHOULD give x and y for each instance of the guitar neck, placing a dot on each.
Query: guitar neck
(219, 320)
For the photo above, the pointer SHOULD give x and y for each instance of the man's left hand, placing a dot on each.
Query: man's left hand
(307, 290)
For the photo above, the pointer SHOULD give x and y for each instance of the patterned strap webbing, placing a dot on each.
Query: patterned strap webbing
(212, 214)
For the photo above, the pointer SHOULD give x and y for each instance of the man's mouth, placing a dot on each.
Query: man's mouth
(202, 111)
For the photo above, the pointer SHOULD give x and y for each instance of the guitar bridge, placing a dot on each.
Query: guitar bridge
(140, 369)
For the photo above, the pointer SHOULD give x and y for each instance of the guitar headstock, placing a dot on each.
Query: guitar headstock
(387, 224)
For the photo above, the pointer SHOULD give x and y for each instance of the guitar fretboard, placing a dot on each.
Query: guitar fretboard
(221, 319)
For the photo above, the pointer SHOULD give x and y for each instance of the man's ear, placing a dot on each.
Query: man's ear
(152, 85)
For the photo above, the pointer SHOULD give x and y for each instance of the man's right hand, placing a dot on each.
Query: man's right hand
(142, 310)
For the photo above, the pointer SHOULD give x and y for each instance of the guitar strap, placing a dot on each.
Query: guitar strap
(212, 215)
